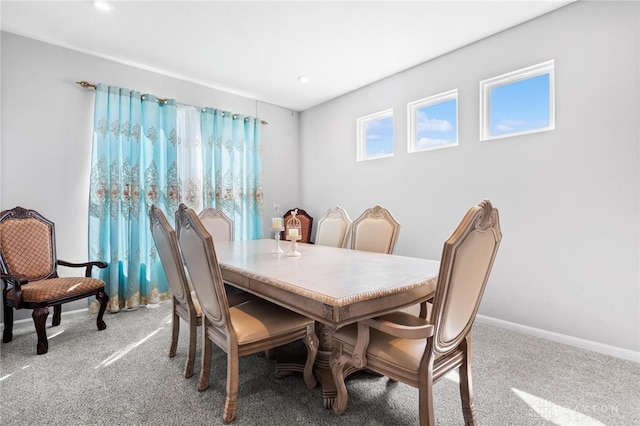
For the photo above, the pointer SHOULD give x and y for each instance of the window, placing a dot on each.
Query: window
(433, 122)
(518, 102)
(375, 135)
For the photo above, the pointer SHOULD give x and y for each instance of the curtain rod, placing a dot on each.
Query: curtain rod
(87, 85)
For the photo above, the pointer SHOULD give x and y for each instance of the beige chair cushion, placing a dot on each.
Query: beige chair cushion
(259, 319)
(403, 353)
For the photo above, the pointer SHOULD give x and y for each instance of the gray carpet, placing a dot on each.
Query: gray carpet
(123, 376)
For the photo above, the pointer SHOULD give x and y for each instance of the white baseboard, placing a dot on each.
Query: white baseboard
(550, 335)
(589, 345)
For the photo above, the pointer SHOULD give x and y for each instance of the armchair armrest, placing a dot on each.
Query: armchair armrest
(398, 324)
(402, 325)
(14, 282)
(88, 265)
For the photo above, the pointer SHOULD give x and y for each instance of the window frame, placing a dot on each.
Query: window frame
(361, 124)
(412, 112)
(516, 76)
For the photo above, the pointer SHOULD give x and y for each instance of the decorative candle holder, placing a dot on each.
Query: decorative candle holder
(277, 226)
(293, 234)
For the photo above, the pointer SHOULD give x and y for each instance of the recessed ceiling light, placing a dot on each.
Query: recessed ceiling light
(102, 5)
(303, 79)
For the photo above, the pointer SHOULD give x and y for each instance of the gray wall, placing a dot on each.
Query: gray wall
(568, 198)
(46, 134)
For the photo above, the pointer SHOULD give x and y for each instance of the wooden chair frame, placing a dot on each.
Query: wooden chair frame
(425, 350)
(183, 304)
(251, 327)
(29, 273)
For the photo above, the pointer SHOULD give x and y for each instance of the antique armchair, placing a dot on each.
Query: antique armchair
(240, 330)
(333, 228)
(417, 351)
(375, 230)
(306, 223)
(29, 272)
(185, 302)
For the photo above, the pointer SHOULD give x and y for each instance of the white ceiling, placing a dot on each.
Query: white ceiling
(258, 49)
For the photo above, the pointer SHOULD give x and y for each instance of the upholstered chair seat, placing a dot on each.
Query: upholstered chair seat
(29, 273)
(420, 350)
(56, 289)
(251, 327)
(185, 303)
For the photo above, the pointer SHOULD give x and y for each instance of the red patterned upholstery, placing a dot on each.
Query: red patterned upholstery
(56, 288)
(26, 246)
(28, 267)
(306, 223)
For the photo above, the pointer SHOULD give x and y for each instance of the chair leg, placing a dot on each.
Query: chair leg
(103, 298)
(232, 386)
(7, 335)
(425, 400)
(191, 355)
(205, 362)
(466, 388)
(425, 397)
(57, 314)
(175, 331)
(40, 319)
(311, 342)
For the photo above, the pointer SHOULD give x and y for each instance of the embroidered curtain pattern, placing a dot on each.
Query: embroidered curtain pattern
(146, 152)
(232, 167)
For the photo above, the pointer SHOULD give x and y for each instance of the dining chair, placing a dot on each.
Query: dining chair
(418, 351)
(218, 224)
(306, 223)
(251, 327)
(333, 228)
(375, 230)
(29, 274)
(184, 300)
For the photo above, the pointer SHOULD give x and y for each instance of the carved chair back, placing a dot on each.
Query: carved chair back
(375, 230)
(333, 228)
(218, 224)
(28, 269)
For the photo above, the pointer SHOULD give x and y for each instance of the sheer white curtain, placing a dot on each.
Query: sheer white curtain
(190, 155)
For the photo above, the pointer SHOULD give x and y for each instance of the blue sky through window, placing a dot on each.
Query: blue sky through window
(379, 137)
(436, 125)
(520, 106)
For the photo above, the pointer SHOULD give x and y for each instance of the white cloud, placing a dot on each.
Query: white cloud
(432, 124)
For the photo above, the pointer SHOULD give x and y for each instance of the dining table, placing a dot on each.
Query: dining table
(334, 286)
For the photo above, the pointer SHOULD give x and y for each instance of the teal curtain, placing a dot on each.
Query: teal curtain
(136, 162)
(232, 169)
